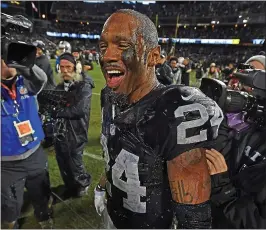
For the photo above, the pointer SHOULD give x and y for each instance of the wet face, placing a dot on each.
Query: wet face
(67, 70)
(124, 58)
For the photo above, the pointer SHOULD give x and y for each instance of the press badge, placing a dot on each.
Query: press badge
(25, 132)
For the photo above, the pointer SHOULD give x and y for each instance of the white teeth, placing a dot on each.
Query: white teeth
(113, 71)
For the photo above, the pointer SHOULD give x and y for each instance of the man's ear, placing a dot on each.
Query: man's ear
(154, 56)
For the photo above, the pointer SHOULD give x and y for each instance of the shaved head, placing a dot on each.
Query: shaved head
(146, 27)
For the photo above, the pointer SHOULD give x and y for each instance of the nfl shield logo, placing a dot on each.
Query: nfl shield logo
(23, 90)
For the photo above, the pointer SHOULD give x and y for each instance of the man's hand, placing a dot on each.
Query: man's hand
(99, 201)
(216, 162)
(189, 177)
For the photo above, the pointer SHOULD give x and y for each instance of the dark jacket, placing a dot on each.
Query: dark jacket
(239, 195)
(77, 112)
(44, 64)
(164, 74)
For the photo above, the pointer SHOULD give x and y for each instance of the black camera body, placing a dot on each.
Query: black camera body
(14, 49)
(231, 101)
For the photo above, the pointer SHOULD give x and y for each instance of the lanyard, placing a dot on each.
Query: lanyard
(13, 94)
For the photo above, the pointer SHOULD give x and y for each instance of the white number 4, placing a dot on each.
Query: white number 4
(128, 163)
(202, 136)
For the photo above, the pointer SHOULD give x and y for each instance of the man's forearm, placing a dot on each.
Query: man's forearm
(34, 79)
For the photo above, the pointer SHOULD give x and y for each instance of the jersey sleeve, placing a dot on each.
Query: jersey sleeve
(193, 122)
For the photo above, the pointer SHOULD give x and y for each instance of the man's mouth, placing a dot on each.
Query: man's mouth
(114, 78)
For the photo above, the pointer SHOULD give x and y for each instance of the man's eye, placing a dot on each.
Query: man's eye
(124, 45)
(103, 47)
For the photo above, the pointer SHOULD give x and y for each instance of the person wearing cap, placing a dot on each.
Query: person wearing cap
(69, 145)
(163, 70)
(43, 62)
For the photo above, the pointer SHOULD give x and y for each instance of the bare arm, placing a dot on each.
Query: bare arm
(191, 187)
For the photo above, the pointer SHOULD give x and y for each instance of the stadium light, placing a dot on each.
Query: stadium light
(159, 26)
(218, 22)
(213, 22)
(43, 16)
(195, 28)
(185, 26)
(245, 21)
(245, 25)
(240, 16)
(56, 20)
(88, 23)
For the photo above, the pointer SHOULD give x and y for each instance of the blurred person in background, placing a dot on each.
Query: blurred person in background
(43, 62)
(63, 47)
(211, 72)
(71, 127)
(23, 160)
(173, 62)
(163, 70)
(185, 66)
(81, 63)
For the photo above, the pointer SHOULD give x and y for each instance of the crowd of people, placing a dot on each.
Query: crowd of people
(84, 10)
(175, 155)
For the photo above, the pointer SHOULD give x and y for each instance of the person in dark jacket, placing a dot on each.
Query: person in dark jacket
(43, 62)
(163, 71)
(71, 127)
(238, 169)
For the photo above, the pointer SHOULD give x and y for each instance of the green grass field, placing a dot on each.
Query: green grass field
(80, 213)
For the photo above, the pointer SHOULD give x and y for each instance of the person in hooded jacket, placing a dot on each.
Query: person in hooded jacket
(43, 62)
(71, 127)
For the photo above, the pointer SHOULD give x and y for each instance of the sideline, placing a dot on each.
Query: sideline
(93, 156)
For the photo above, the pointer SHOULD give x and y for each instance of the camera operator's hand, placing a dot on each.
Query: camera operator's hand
(216, 162)
(6, 71)
(23, 70)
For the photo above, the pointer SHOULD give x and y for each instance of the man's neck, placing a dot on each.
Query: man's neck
(143, 90)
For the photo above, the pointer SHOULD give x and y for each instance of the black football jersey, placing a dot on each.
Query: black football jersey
(140, 139)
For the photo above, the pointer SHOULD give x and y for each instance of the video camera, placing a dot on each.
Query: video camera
(14, 49)
(230, 101)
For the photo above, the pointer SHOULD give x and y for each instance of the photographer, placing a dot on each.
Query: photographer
(23, 160)
(238, 168)
(163, 71)
(71, 127)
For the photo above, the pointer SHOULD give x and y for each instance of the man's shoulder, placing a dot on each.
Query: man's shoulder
(177, 97)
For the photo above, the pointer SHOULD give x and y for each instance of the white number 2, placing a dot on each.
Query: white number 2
(128, 163)
(202, 136)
